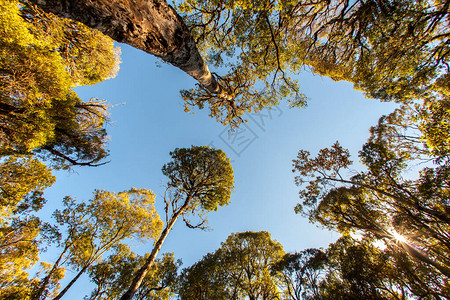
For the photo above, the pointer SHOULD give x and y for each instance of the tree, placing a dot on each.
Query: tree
(153, 27)
(239, 269)
(200, 180)
(99, 226)
(357, 268)
(112, 276)
(22, 181)
(392, 50)
(411, 215)
(42, 59)
(203, 281)
(301, 272)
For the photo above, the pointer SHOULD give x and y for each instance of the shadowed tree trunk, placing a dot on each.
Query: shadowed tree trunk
(150, 25)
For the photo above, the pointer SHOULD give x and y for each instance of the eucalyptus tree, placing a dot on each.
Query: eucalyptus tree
(22, 182)
(154, 27)
(41, 59)
(388, 201)
(358, 268)
(200, 179)
(301, 273)
(112, 276)
(239, 269)
(391, 50)
(94, 228)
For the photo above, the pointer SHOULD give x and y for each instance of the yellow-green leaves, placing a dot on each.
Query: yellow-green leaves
(201, 173)
(387, 196)
(390, 51)
(132, 212)
(99, 226)
(109, 218)
(22, 179)
(239, 269)
(42, 58)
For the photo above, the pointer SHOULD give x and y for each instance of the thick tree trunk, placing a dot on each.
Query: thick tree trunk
(140, 274)
(150, 25)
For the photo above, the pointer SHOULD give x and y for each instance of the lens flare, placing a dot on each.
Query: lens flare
(398, 236)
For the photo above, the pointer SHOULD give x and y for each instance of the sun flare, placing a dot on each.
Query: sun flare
(398, 236)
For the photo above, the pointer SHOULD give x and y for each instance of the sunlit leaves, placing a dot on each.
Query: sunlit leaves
(112, 276)
(300, 273)
(100, 225)
(42, 59)
(387, 197)
(239, 269)
(390, 50)
(202, 173)
(200, 180)
(22, 181)
(246, 37)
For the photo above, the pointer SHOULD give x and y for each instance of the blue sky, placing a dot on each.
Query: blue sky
(148, 121)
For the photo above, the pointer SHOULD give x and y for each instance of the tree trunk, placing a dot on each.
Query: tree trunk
(140, 274)
(150, 25)
(37, 295)
(59, 296)
(419, 255)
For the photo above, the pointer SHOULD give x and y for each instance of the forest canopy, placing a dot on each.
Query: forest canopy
(392, 215)
(391, 50)
(42, 58)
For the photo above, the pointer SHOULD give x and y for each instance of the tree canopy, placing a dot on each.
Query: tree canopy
(200, 179)
(391, 50)
(394, 215)
(239, 269)
(408, 211)
(42, 58)
(112, 276)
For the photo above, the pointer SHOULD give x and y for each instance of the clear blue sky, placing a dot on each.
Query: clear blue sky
(148, 121)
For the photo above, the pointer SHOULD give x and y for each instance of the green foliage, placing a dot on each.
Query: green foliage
(388, 200)
(357, 269)
(201, 173)
(41, 59)
(434, 122)
(112, 276)
(391, 50)
(102, 224)
(300, 273)
(22, 181)
(239, 269)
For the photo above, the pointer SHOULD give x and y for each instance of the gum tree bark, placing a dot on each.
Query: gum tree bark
(150, 25)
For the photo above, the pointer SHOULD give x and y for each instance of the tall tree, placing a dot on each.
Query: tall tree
(112, 276)
(22, 181)
(96, 227)
(200, 180)
(392, 50)
(409, 212)
(152, 26)
(239, 269)
(358, 269)
(301, 272)
(42, 59)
